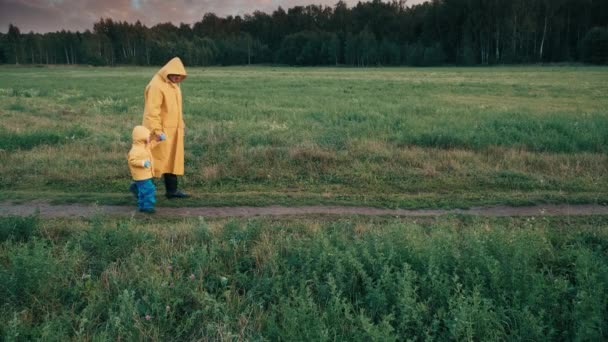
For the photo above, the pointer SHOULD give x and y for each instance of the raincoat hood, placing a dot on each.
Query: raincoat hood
(140, 134)
(173, 67)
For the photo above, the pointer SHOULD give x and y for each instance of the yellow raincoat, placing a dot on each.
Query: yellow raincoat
(139, 153)
(163, 113)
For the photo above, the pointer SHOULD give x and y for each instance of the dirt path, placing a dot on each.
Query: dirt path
(78, 210)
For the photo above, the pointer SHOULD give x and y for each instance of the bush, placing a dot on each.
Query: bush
(468, 57)
(420, 55)
(262, 279)
(595, 46)
(414, 55)
(433, 56)
(28, 274)
(104, 245)
(19, 229)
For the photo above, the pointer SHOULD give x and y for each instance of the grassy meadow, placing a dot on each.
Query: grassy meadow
(393, 137)
(357, 279)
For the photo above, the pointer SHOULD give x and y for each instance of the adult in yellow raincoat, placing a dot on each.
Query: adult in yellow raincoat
(163, 117)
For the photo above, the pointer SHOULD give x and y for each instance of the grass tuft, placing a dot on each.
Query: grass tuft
(12, 141)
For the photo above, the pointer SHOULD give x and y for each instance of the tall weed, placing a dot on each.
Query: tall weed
(447, 279)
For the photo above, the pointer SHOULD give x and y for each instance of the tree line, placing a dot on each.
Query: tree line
(461, 32)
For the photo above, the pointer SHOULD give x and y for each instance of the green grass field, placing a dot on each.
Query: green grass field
(393, 137)
(403, 137)
(382, 279)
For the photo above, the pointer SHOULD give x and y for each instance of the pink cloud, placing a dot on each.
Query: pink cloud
(55, 15)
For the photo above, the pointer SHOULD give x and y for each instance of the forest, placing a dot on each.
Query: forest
(374, 33)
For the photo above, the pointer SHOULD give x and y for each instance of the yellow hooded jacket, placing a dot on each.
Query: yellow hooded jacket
(139, 153)
(163, 113)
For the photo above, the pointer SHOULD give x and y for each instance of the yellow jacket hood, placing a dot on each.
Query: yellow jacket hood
(173, 67)
(140, 135)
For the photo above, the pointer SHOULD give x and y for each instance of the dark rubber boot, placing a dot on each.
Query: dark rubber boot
(171, 187)
(170, 183)
(177, 194)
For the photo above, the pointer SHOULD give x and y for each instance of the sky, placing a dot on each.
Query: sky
(79, 15)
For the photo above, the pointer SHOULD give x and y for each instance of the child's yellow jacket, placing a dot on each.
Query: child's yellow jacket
(139, 153)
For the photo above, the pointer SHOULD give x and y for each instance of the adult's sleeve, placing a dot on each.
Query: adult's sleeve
(152, 109)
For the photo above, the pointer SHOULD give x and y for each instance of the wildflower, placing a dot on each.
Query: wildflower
(148, 317)
(192, 276)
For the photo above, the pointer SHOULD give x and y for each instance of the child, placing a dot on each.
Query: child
(140, 165)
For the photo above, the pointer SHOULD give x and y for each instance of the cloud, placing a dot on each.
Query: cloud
(79, 15)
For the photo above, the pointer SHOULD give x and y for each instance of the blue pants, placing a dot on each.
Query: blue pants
(146, 194)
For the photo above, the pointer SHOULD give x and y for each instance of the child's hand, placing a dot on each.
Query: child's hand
(147, 164)
(161, 137)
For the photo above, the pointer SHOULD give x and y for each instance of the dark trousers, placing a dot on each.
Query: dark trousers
(170, 182)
